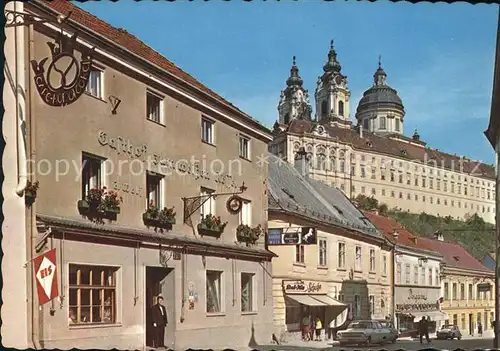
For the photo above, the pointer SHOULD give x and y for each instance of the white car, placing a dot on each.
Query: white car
(365, 332)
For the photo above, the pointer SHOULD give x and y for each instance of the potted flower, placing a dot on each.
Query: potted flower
(30, 192)
(111, 202)
(155, 217)
(211, 226)
(246, 234)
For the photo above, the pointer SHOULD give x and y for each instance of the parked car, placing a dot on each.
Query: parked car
(365, 332)
(449, 332)
(394, 332)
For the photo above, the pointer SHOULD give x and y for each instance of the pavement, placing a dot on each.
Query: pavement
(467, 343)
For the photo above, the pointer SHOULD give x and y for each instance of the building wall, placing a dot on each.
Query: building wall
(340, 282)
(470, 304)
(406, 195)
(60, 144)
(89, 126)
(199, 329)
(14, 311)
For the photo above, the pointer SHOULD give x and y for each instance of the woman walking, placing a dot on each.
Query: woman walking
(319, 326)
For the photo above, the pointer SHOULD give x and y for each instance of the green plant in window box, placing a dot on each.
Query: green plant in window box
(154, 217)
(100, 202)
(211, 226)
(30, 192)
(247, 234)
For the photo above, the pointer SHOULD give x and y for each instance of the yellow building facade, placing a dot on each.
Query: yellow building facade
(468, 288)
(346, 274)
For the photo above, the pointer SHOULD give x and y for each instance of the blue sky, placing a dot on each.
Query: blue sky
(439, 57)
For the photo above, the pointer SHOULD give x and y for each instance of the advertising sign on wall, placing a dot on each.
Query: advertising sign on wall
(292, 236)
(46, 276)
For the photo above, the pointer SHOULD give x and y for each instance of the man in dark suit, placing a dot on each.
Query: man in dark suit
(159, 316)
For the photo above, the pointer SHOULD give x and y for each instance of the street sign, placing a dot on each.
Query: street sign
(46, 276)
(292, 236)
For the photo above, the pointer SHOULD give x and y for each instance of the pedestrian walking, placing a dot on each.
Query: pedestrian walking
(319, 326)
(306, 324)
(480, 329)
(312, 328)
(424, 330)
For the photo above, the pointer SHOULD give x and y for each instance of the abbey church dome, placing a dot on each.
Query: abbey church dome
(380, 94)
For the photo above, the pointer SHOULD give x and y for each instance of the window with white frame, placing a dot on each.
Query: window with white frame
(244, 147)
(207, 131)
(246, 213)
(430, 276)
(341, 255)
(372, 260)
(92, 294)
(92, 173)
(247, 295)
(436, 277)
(214, 292)
(422, 275)
(384, 265)
(357, 306)
(322, 252)
(299, 253)
(95, 83)
(407, 274)
(208, 206)
(358, 258)
(399, 272)
(154, 107)
(154, 187)
(415, 274)
(372, 305)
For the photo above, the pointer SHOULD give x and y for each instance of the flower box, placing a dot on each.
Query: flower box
(83, 206)
(248, 235)
(100, 203)
(204, 230)
(163, 219)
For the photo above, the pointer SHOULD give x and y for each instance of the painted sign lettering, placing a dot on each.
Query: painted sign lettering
(65, 79)
(46, 276)
(300, 286)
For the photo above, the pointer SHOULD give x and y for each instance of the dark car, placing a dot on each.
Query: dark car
(449, 332)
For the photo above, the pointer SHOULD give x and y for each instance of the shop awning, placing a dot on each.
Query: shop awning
(433, 315)
(315, 300)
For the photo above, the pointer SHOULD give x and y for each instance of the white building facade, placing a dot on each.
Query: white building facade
(374, 158)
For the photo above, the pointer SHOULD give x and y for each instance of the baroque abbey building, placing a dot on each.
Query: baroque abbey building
(373, 157)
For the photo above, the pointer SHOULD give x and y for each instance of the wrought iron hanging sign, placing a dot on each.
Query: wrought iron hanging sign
(234, 204)
(65, 79)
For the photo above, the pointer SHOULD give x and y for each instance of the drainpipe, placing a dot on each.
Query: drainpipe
(36, 313)
(184, 278)
(497, 258)
(19, 78)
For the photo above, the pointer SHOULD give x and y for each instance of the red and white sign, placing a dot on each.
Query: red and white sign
(46, 276)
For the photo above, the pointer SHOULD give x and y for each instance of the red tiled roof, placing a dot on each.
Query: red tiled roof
(136, 46)
(396, 148)
(455, 255)
(405, 238)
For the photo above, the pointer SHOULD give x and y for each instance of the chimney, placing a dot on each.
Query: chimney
(395, 235)
(302, 162)
(438, 236)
